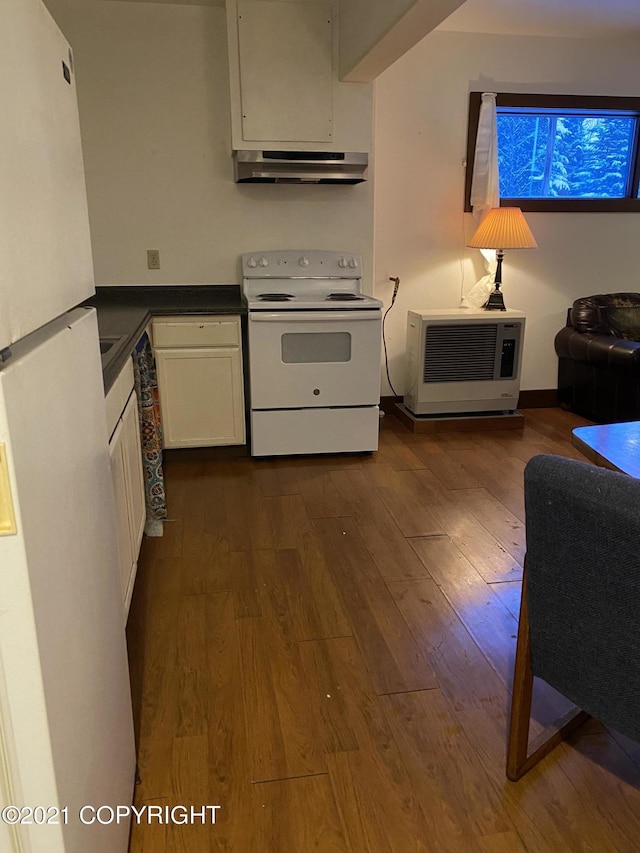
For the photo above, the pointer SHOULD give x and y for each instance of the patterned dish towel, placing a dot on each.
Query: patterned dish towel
(150, 435)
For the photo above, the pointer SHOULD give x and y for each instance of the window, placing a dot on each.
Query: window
(564, 152)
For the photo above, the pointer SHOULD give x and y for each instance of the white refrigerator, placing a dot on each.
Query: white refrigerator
(66, 732)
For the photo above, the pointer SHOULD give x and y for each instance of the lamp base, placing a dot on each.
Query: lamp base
(495, 302)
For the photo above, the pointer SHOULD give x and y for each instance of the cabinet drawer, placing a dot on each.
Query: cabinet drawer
(196, 332)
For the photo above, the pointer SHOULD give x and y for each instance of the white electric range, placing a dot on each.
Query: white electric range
(314, 353)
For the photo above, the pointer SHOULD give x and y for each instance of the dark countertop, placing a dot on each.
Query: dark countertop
(124, 313)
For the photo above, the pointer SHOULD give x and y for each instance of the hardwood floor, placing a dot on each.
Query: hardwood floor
(323, 647)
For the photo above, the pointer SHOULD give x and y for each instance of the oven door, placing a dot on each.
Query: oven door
(306, 359)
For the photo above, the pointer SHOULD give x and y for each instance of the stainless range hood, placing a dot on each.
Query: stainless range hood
(299, 167)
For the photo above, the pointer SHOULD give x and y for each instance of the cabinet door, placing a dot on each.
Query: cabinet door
(136, 510)
(274, 39)
(201, 396)
(119, 477)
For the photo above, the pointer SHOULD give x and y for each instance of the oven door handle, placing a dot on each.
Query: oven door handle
(313, 316)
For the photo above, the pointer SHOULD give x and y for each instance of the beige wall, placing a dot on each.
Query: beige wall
(420, 228)
(153, 84)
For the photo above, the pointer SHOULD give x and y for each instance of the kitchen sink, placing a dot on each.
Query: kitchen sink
(109, 347)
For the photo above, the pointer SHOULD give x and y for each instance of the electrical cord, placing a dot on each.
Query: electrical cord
(396, 285)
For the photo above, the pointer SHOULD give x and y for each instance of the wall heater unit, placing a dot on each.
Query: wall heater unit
(463, 361)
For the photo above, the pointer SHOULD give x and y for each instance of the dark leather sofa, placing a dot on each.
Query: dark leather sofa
(599, 358)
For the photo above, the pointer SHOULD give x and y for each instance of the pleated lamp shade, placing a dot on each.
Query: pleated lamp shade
(503, 228)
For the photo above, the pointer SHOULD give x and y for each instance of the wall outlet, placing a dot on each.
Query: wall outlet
(153, 259)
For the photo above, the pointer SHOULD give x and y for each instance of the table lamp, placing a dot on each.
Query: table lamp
(502, 228)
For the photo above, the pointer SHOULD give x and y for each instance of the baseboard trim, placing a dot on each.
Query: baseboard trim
(546, 398)
(388, 404)
(195, 454)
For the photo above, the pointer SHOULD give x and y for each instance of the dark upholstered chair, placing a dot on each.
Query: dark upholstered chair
(579, 620)
(599, 358)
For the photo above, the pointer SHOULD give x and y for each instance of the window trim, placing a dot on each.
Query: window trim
(559, 102)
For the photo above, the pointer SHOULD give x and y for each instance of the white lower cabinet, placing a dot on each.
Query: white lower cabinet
(200, 380)
(128, 481)
(119, 476)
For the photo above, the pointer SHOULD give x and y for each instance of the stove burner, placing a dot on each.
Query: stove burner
(275, 297)
(344, 297)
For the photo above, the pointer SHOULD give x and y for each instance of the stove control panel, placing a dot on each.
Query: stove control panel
(308, 264)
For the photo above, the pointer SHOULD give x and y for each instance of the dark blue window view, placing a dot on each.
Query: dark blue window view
(563, 153)
(546, 154)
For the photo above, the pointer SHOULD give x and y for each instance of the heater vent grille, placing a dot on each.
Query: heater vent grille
(460, 353)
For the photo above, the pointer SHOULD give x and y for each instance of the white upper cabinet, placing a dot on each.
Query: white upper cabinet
(283, 76)
(45, 249)
(274, 38)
